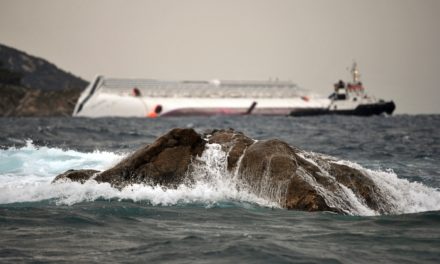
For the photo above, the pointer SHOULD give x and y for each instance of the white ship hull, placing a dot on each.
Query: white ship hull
(100, 101)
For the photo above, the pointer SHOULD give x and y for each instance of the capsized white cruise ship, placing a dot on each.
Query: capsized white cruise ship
(151, 98)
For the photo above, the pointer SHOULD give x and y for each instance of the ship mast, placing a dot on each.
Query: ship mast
(356, 74)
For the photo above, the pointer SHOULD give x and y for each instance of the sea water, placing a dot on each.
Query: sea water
(212, 221)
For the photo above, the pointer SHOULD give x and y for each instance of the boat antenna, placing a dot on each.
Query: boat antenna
(355, 73)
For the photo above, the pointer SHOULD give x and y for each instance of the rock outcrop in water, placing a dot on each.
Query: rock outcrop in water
(165, 162)
(76, 175)
(269, 168)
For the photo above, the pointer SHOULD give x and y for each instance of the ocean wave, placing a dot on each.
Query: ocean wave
(30, 171)
(26, 174)
(33, 161)
(403, 196)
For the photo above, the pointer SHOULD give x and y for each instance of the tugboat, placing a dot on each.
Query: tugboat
(351, 99)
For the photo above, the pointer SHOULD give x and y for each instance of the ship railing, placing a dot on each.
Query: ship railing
(204, 89)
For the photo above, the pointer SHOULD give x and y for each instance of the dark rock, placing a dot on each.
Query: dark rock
(269, 168)
(280, 172)
(361, 185)
(164, 162)
(232, 142)
(76, 175)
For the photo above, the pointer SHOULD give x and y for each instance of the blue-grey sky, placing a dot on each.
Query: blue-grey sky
(311, 42)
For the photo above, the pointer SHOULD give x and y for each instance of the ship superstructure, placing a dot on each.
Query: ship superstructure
(351, 99)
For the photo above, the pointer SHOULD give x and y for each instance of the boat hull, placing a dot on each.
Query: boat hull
(368, 109)
(361, 110)
(104, 104)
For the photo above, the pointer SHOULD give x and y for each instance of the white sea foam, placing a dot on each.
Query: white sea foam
(403, 196)
(46, 162)
(26, 174)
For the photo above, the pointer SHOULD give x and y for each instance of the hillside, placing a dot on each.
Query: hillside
(31, 86)
(22, 101)
(38, 73)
